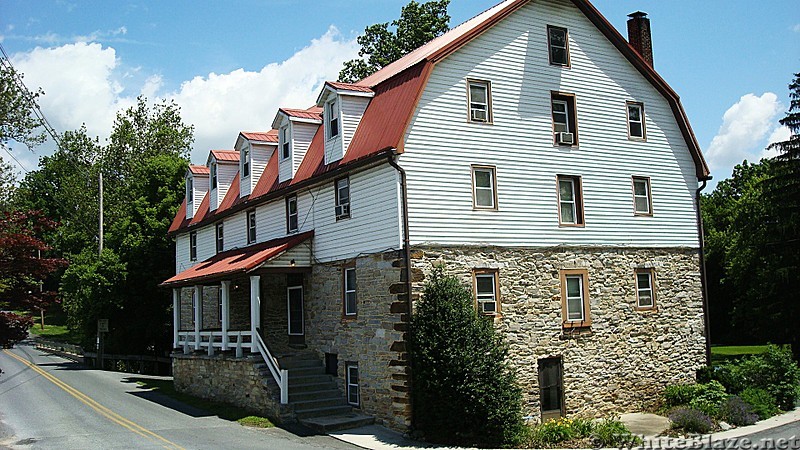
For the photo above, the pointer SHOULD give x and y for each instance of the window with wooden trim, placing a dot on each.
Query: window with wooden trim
(251, 226)
(245, 160)
(291, 214)
(220, 238)
(487, 291)
(570, 200)
(642, 200)
(565, 121)
(479, 100)
(484, 187)
(286, 150)
(558, 44)
(213, 170)
(189, 190)
(636, 128)
(645, 289)
(349, 289)
(353, 394)
(342, 188)
(332, 114)
(193, 246)
(575, 298)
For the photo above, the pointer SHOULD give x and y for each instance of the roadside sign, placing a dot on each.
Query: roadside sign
(102, 325)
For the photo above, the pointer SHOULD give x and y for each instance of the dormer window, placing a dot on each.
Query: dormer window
(332, 114)
(189, 190)
(285, 148)
(213, 170)
(245, 161)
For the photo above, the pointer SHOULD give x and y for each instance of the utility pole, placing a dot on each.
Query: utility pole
(100, 247)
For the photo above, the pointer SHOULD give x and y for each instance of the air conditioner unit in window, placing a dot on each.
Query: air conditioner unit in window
(478, 115)
(565, 138)
(343, 211)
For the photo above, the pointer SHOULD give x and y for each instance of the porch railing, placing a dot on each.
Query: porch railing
(281, 376)
(238, 341)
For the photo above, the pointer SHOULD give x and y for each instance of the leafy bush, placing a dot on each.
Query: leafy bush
(554, 432)
(613, 433)
(762, 402)
(709, 398)
(679, 394)
(691, 420)
(465, 392)
(13, 328)
(738, 412)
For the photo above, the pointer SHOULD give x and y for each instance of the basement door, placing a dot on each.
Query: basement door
(551, 388)
(294, 298)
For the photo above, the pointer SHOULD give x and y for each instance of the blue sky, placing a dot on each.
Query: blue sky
(230, 65)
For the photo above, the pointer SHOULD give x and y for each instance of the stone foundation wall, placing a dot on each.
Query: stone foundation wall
(229, 380)
(625, 359)
(375, 338)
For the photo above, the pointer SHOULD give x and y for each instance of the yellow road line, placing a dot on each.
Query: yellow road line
(102, 410)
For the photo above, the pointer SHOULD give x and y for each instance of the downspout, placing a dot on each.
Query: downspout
(703, 281)
(406, 254)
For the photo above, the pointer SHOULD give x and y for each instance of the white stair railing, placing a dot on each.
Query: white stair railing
(281, 376)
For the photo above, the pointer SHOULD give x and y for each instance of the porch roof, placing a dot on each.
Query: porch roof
(241, 260)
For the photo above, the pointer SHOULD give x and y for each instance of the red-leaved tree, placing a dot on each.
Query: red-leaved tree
(24, 264)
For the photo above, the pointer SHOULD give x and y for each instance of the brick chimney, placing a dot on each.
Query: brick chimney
(639, 35)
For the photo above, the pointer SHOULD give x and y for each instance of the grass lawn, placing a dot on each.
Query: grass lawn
(721, 354)
(222, 410)
(55, 327)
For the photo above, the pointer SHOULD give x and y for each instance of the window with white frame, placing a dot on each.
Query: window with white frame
(194, 304)
(484, 187)
(213, 170)
(219, 304)
(575, 298)
(350, 298)
(557, 40)
(342, 188)
(245, 160)
(353, 395)
(486, 291)
(220, 238)
(291, 214)
(636, 120)
(251, 226)
(570, 202)
(189, 190)
(645, 291)
(479, 100)
(642, 200)
(286, 151)
(333, 118)
(193, 246)
(565, 124)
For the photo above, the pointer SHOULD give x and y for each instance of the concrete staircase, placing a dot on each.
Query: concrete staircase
(314, 397)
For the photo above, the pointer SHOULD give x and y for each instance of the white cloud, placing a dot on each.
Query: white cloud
(796, 28)
(745, 125)
(221, 105)
(88, 83)
(780, 134)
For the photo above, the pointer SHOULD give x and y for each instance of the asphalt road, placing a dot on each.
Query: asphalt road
(51, 402)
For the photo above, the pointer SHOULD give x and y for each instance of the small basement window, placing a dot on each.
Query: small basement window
(645, 289)
(353, 394)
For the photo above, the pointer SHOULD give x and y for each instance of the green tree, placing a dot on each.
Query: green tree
(17, 120)
(7, 185)
(384, 43)
(465, 392)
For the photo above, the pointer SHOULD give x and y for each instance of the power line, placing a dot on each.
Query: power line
(15, 159)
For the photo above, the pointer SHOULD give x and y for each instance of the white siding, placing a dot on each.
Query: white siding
(235, 231)
(182, 261)
(333, 147)
(200, 185)
(259, 157)
(302, 134)
(352, 110)
(245, 183)
(441, 145)
(226, 172)
(206, 242)
(285, 166)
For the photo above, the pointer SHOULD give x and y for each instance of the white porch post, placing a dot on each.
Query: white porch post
(226, 316)
(255, 310)
(198, 315)
(176, 318)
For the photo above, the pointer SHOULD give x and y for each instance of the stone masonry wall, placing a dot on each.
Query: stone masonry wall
(627, 357)
(375, 338)
(228, 380)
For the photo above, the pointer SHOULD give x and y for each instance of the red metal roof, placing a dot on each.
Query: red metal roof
(236, 261)
(348, 87)
(225, 155)
(269, 178)
(180, 219)
(232, 197)
(198, 170)
(268, 136)
(313, 113)
(202, 212)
